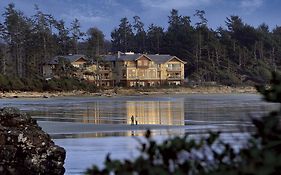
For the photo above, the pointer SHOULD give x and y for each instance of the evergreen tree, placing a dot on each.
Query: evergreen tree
(63, 39)
(155, 36)
(2, 59)
(42, 46)
(122, 37)
(140, 36)
(95, 43)
(76, 34)
(15, 32)
(232, 54)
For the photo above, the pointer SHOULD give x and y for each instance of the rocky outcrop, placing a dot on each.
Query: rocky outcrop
(25, 149)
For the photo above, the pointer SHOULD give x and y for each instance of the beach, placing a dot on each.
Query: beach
(135, 91)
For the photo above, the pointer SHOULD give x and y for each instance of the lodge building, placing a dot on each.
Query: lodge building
(146, 70)
(125, 69)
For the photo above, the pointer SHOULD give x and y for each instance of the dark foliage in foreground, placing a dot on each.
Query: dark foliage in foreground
(183, 155)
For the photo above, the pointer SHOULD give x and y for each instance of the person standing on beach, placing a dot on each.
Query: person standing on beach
(136, 120)
(132, 120)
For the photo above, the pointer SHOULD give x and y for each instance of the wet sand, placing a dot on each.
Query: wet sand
(137, 91)
(78, 128)
(82, 130)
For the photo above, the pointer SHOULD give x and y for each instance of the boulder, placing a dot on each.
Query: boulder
(25, 148)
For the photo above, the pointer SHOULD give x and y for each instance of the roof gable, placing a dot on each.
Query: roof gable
(176, 59)
(81, 59)
(73, 58)
(158, 59)
(143, 57)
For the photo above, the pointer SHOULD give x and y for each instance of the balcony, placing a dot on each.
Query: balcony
(174, 77)
(141, 78)
(129, 65)
(174, 69)
(104, 78)
(143, 66)
(104, 69)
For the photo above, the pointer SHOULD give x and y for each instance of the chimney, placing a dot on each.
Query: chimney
(118, 54)
(129, 53)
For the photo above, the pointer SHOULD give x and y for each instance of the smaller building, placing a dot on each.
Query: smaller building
(78, 61)
(59, 64)
(47, 70)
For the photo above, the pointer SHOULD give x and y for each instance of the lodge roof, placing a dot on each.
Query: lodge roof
(159, 59)
(70, 58)
(75, 57)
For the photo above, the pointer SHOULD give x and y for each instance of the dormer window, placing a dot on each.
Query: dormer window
(142, 62)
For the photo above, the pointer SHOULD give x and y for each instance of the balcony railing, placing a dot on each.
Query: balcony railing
(174, 77)
(105, 78)
(140, 66)
(143, 66)
(104, 69)
(173, 69)
(141, 78)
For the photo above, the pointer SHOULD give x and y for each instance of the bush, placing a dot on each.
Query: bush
(16, 84)
(37, 84)
(4, 83)
(68, 84)
(228, 78)
(184, 155)
(33, 84)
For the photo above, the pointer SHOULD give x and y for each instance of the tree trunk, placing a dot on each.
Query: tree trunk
(261, 50)
(255, 49)
(240, 58)
(158, 44)
(217, 56)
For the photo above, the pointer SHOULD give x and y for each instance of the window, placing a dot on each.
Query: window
(152, 73)
(174, 66)
(141, 73)
(142, 63)
(132, 73)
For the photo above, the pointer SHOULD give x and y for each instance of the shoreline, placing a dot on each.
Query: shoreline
(133, 92)
(56, 128)
(77, 130)
(62, 130)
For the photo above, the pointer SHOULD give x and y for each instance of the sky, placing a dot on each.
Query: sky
(106, 14)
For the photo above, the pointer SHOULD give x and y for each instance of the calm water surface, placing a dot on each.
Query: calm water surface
(166, 110)
(227, 112)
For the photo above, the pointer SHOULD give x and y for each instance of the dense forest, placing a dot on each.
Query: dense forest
(234, 54)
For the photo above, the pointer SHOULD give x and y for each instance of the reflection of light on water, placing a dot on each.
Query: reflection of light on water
(155, 112)
(144, 112)
(155, 109)
(154, 132)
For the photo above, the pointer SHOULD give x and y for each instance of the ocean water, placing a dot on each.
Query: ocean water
(230, 113)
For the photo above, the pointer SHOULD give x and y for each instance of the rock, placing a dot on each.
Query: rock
(25, 148)
(45, 96)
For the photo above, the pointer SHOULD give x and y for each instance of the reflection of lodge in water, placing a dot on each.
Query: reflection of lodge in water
(146, 112)
(156, 112)
(100, 113)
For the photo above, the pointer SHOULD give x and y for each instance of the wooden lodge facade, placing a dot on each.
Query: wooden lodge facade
(125, 69)
(146, 70)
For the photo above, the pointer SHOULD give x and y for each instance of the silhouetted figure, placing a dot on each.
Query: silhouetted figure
(132, 120)
(136, 120)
